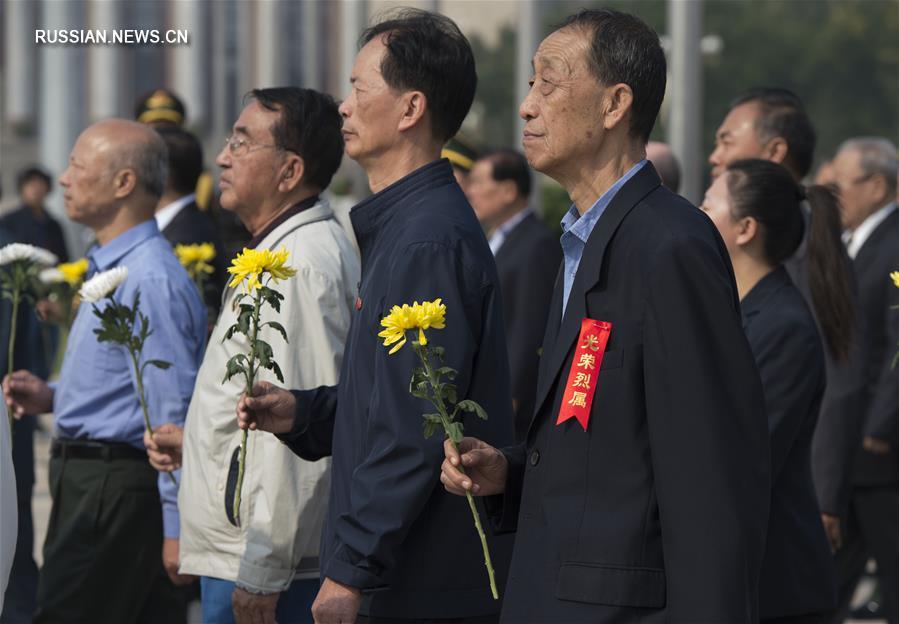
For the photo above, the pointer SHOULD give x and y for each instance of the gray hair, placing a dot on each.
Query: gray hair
(149, 159)
(877, 156)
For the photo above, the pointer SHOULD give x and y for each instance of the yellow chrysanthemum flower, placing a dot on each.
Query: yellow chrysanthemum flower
(895, 276)
(73, 272)
(420, 316)
(250, 265)
(196, 258)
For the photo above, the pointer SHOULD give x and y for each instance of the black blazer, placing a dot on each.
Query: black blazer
(658, 511)
(191, 226)
(876, 259)
(527, 263)
(797, 571)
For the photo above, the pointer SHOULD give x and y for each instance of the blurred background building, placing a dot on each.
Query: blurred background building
(841, 56)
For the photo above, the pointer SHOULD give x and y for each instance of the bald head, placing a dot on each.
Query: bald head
(665, 162)
(122, 144)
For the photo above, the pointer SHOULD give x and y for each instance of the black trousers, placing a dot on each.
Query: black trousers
(872, 531)
(482, 619)
(103, 552)
(20, 599)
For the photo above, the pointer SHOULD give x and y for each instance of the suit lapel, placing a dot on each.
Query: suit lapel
(588, 273)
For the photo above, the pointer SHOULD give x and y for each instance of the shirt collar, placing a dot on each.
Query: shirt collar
(296, 209)
(167, 214)
(860, 235)
(582, 225)
(107, 256)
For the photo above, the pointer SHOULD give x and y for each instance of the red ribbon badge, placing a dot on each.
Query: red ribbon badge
(584, 373)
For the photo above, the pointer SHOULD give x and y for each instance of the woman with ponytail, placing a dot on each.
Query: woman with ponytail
(756, 206)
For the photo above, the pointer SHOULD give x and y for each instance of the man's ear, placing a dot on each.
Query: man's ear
(776, 150)
(618, 101)
(748, 230)
(124, 182)
(415, 104)
(291, 173)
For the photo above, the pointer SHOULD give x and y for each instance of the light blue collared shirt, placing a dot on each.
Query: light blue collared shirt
(96, 397)
(576, 229)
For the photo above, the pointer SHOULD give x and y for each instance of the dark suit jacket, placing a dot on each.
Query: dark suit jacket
(527, 263)
(798, 570)
(838, 434)
(391, 529)
(190, 226)
(658, 511)
(23, 227)
(876, 259)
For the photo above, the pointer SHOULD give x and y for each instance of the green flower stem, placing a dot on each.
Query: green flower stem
(251, 374)
(143, 400)
(437, 400)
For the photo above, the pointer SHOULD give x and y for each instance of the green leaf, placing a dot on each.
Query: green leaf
(430, 428)
(454, 432)
(230, 332)
(235, 365)
(449, 371)
(277, 370)
(470, 406)
(439, 352)
(271, 297)
(244, 319)
(278, 328)
(263, 352)
(434, 418)
(448, 392)
(420, 390)
(160, 364)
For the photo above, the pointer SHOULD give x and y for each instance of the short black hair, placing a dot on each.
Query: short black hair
(30, 173)
(782, 114)
(309, 126)
(624, 49)
(427, 52)
(185, 158)
(509, 164)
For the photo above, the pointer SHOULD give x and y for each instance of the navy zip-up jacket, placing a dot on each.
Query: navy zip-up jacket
(390, 524)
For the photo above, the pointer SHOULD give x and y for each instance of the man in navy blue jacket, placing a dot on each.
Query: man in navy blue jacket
(395, 545)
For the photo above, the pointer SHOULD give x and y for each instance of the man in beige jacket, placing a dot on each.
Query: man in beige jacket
(282, 153)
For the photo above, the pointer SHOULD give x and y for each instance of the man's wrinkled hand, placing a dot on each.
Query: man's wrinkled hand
(269, 409)
(833, 530)
(26, 393)
(336, 603)
(164, 447)
(486, 469)
(254, 608)
(171, 561)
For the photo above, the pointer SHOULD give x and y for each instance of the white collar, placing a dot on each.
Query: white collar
(860, 235)
(167, 213)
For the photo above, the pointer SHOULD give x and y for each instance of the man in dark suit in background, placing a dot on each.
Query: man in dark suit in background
(527, 258)
(642, 490)
(771, 123)
(864, 171)
(177, 214)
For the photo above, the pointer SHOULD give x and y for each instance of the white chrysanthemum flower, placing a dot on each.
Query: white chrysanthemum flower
(20, 251)
(51, 276)
(103, 284)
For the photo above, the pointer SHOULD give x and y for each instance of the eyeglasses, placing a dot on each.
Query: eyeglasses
(238, 147)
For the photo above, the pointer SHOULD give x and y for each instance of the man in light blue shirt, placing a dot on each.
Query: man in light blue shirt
(110, 509)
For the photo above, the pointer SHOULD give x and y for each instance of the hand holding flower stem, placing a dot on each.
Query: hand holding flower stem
(427, 383)
(256, 270)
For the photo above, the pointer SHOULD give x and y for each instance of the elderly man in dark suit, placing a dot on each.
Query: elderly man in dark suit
(864, 171)
(527, 258)
(642, 490)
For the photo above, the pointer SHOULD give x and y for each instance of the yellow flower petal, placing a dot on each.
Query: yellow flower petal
(895, 276)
